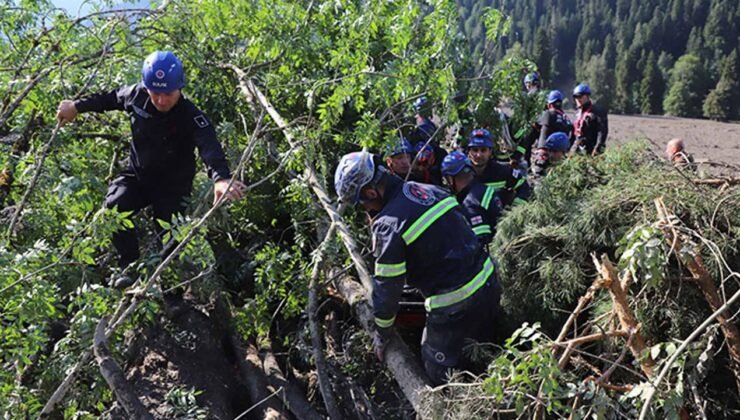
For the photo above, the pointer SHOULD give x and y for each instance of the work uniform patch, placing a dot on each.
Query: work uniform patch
(418, 194)
(476, 220)
(201, 121)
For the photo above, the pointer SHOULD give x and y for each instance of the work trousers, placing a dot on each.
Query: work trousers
(128, 193)
(447, 330)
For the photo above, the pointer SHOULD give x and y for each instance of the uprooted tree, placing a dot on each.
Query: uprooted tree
(217, 329)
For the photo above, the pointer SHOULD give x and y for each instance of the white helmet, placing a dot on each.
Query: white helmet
(355, 170)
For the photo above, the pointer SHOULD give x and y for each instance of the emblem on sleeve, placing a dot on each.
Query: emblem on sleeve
(418, 194)
(201, 121)
(476, 220)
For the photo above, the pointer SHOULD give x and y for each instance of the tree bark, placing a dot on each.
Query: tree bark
(114, 376)
(400, 361)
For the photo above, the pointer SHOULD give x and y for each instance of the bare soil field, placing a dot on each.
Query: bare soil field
(704, 139)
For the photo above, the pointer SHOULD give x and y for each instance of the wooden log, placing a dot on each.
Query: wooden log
(398, 358)
(114, 376)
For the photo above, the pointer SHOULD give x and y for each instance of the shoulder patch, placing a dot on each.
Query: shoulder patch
(476, 220)
(418, 194)
(201, 121)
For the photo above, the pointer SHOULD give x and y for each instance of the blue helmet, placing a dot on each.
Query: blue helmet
(420, 103)
(398, 146)
(162, 72)
(581, 89)
(554, 96)
(355, 170)
(480, 137)
(557, 141)
(454, 163)
(532, 78)
(423, 151)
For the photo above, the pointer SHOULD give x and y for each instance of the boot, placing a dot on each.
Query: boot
(123, 281)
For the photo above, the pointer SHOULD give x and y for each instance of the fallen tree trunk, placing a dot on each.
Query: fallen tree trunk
(114, 376)
(400, 361)
(292, 397)
(250, 367)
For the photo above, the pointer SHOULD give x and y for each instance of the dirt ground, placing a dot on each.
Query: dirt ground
(704, 139)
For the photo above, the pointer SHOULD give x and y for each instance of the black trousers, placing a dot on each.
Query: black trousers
(128, 193)
(448, 328)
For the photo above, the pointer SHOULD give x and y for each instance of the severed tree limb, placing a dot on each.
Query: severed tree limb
(115, 377)
(39, 166)
(398, 358)
(626, 318)
(317, 338)
(293, 398)
(255, 97)
(250, 368)
(701, 277)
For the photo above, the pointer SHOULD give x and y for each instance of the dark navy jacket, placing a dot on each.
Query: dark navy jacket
(163, 144)
(553, 121)
(513, 181)
(483, 207)
(423, 237)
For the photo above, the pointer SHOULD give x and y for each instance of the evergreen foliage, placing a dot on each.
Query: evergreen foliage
(623, 32)
(651, 87)
(722, 101)
(688, 87)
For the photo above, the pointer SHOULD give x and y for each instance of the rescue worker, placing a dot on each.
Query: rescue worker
(676, 153)
(532, 83)
(398, 157)
(424, 166)
(553, 150)
(554, 119)
(511, 181)
(591, 126)
(166, 127)
(482, 203)
(421, 236)
(426, 131)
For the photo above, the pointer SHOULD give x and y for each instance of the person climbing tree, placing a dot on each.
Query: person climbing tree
(166, 127)
(421, 235)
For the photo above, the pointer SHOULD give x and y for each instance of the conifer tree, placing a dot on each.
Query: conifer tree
(721, 103)
(651, 87)
(543, 53)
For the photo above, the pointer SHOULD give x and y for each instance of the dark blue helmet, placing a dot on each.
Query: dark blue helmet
(454, 163)
(581, 89)
(162, 72)
(420, 103)
(532, 78)
(480, 137)
(398, 146)
(554, 96)
(557, 141)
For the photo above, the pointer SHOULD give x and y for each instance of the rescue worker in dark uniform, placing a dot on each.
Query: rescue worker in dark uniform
(421, 236)
(591, 126)
(166, 128)
(554, 119)
(426, 131)
(532, 83)
(424, 165)
(482, 203)
(553, 150)
(512, 181)
(398, 157)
